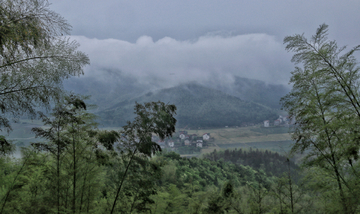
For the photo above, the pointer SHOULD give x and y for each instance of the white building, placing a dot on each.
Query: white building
(182, 136)
(206, 136)
(266, 123)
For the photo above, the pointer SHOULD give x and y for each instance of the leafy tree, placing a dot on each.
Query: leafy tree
(291, 198)
(11, 182)
(65, 114)
(258, 195)
(72, 156)
(135, 142)
(5, 146)
(326, 104)
(34, 57)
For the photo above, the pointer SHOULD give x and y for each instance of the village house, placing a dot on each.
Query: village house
(187, 142)
(283, 118)
(199, 143)
(182, 136)
(171, 144)
(266, 123)
(206, 136)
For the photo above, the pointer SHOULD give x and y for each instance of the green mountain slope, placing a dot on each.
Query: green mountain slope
(257, 91)
(107, 89)
(197, 106)
(111, 86)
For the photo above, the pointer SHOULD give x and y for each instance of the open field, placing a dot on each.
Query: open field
(273, 138)
(245, 134)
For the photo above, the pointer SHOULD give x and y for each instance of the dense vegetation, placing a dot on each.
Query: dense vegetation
(198, 106)
(78, 168)
(271, 163)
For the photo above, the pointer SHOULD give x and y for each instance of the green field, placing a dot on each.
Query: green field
(273, 138)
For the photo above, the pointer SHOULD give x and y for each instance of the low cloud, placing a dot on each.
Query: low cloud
(211, 59)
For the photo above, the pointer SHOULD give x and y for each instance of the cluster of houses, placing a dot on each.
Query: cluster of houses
(182, 138)
(281, 121)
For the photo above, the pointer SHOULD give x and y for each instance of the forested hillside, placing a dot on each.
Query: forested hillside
(114, 87)
(271, 163)
(259, 92)
(76, 167)
(106, 89)
(197, 106)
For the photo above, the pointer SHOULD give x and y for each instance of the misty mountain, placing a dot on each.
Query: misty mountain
(256, 91)
(197, 106)
(109, 87)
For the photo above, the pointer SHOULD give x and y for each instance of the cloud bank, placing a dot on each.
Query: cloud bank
(211, 59)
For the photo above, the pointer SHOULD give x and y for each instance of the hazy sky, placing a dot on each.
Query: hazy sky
(174, 41)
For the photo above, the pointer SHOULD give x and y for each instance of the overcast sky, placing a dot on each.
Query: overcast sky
(174, 41)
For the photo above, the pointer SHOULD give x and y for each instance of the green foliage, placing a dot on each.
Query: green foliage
(271, 163)
(5, 146)
(138, 183)
(202, 186)
(136, 143)
(204, 172)
(73, 150)
(79, 169)
(325, 102)
(34, 58)
(28, 25)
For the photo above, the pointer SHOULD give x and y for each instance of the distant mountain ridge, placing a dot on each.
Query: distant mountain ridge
(256, 91)
(197, 106)
(111, 87)
(247, 100)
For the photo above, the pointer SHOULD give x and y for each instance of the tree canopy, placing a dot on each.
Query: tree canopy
(35, 57)
(325, 102)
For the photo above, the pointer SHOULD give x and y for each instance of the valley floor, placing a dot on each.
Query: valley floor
(276, 139)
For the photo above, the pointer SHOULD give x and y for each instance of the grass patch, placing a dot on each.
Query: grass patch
(245, 134)
(271, 130)
(276, 146)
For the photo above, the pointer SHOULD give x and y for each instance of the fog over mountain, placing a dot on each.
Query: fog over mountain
(211, 59)
(233, 46)
(189, 19)
(197, 106)
(115, 87)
